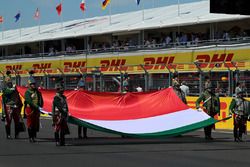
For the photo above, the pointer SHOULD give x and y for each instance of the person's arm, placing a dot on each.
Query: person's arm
(199, 100)
(232, 107)
(29, 100)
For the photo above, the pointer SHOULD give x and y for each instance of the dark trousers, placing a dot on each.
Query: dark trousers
(208, 131)
(60, 138)
(239, 126)
(80, 130)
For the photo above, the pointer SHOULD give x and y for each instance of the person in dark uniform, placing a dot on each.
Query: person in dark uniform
(12, 106)
(239, 108)
(60, 114)
(33, 103)
(211, 105)
(81, 86)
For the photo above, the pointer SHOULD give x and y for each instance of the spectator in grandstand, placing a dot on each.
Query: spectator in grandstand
(226, 36)
(168, 40)
(51, 51)
(184, 88)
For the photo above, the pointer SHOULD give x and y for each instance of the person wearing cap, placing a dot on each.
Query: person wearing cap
(81, 87)
(33, 102)
(12, 106)
(239, 109)
(176, 86)
(211, 105)
(60, 114)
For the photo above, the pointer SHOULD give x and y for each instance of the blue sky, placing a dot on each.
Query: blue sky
(71, 10)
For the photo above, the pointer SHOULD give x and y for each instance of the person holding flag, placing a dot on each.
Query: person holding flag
(12, 106)
(33, 103)
(60, 114)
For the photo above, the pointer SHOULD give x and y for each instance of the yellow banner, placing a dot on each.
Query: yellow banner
(218, 60)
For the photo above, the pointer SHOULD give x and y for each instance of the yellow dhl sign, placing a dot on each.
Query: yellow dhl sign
(152, 63)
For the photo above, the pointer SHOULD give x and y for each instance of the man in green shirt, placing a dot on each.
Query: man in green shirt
(211, 105)
(60, 114)
(239, 108)
(12, 105)
(33, 101)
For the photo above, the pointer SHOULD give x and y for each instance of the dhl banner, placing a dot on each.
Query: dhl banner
(155, 62)
(224, 102)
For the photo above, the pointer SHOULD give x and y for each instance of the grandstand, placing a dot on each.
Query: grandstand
(147, 45)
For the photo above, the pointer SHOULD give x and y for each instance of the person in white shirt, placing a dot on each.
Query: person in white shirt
(184, 88)
(139, 89)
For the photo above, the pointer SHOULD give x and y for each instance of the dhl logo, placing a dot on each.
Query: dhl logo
(76, 66)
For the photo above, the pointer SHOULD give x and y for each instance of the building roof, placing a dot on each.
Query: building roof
(167, 16)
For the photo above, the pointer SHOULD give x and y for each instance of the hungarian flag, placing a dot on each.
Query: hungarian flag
(17, 16)
(59, 9)
(139, 114)
(82, 5)
(105, 4)
(37, 14)
(1, 19)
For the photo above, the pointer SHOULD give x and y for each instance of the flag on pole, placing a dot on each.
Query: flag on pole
(59, 9)
(1, 19)
(37, 14)
(105, 4)
(137, 2)
(82, 5)
(17, 16)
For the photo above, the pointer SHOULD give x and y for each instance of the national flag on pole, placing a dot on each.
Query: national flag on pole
(37, 14)
(82, 5)
(1, 19)
(137, 2)
(105, 4)
(144, 115)
(59, 9)
(17, 16)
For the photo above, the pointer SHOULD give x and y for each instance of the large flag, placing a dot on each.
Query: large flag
(82, 5)
(141, 114)
(17, 16)
(1, 19)
(105, 3)
(137, 2)
(37, 14)
(59, 9)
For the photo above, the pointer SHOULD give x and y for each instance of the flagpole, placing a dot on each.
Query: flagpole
(143, 11)
(178, 7)
(110, 12)
(39, 21)
(20, 30)
(61, 16)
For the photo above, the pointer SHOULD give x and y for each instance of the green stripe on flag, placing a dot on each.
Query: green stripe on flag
(168, 133)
